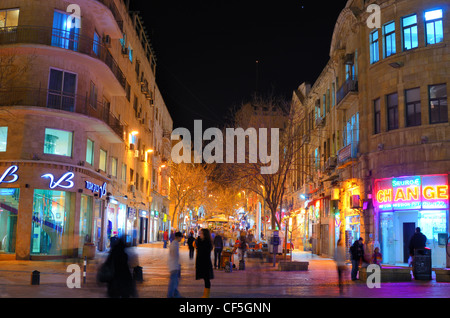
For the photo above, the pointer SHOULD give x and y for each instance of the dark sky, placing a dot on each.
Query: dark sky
(207, 51)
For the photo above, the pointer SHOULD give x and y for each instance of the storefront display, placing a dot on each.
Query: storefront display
(85, 230)
(409, 202)
(9, 203)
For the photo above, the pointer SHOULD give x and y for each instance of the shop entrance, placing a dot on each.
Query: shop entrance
(143, 230)
(408, 231)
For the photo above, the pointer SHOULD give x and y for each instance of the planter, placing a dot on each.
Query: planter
(389, 274)
(442, 275)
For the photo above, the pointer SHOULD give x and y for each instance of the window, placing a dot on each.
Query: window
(438, 104)
(93, 95)
(317, 158)
(124, 173)
(128, 91)
(130, 53)
(377, 116)
(65, 31)
(96, 44)
(413, 112)
(114, 167)
(123, 40)
(389, 39)
(374, 47)
(58, 142)
(410, 36)
(90, 152)
(392, 111)
(3, 138)
(333, 95)
(434, 27)
(9, 18)
(61, 90)
(102, 160)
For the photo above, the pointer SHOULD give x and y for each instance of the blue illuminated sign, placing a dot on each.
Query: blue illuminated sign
(67, 178)
(95, 188)
(10, 172)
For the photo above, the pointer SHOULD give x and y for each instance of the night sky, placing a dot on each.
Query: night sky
(207, 51)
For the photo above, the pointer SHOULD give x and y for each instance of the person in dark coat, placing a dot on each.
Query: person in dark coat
(203, 264)
(418, 241)
(122, 285)
(357, 256)
(191, 246)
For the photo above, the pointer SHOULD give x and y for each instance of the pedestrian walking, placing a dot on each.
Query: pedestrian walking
(120, 284)
(191, 246)
(165, 238)
(377, 258)
(218, 247)
(174, 266)
(357, 256)
(339, 258)
(417, 241)
(172, 236)
(203, 264)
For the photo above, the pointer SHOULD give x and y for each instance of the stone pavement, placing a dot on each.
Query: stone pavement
(258, 281)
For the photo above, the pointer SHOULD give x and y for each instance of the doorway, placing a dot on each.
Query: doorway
(408, 231)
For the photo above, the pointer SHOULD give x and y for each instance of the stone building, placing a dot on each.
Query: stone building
(82, 128)
(377, 152)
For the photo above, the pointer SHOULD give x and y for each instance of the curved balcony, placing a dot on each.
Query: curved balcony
(68, 40)
(68, 104)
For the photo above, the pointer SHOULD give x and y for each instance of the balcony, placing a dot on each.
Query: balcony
(347, 94)
(67, 40)
(68, 104)
(348, 155)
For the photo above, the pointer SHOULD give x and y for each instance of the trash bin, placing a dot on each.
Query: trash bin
(422, 264)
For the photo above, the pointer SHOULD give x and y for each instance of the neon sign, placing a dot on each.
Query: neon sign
(101, 190)
(10, 172)
(67, 178)
(412, 193)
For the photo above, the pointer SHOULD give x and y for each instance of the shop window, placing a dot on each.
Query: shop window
(434, 27)
(85, 222)
(389, 39)
(8, 219)
(413, 112)
(102, 160)
(438, 104)
(58, 142)
(3, 138)
(409, 31)
(90, 152)
(9, 18)
(50, 222)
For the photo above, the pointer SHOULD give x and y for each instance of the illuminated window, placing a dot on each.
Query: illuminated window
(96, 44)
(58, 142)
(3, 138)
(410, 34)
(374, 47)
(434, 26)
(389, 39)
(9, 18)
(114, 167)
(90, 152)
(66, 31)
(102, 160)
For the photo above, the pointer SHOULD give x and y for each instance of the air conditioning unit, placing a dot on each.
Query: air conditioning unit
(331, 162)
(107, 41)
(125, 51)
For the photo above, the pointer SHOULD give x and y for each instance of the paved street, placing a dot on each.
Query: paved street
(257, 281)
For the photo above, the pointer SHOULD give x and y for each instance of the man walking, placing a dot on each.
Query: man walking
(174, 266)
(356, 254)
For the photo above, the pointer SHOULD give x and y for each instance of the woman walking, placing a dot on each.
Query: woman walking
(203, 264)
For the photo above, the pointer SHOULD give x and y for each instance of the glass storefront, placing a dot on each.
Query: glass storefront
(115, 221)
(51, 211)
(97, 223)
(85, 221)
(9, 204)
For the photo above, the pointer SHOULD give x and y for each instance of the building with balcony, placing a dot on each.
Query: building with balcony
(376, 127)
(80, 126)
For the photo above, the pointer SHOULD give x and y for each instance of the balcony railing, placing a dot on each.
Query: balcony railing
(348, 152)
(349, 86)
(69, 40)
(115, 12)
(51, 99)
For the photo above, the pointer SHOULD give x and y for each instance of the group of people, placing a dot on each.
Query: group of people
(358, 256)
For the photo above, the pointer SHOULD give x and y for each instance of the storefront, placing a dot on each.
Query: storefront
(143, 227)
(115, 221)
(405, 203)
(9, 204)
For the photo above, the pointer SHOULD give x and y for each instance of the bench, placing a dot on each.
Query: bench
(389, 274)
(442, 275)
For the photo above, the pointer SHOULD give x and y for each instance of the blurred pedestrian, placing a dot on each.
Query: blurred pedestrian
(377, 258)
(218, 247)
(191, 246)
(121, 283)
(174, 266)
(172, 236)
(165, 238)
(339, 258)
(417, 241)
(357, 256)
(203, 264)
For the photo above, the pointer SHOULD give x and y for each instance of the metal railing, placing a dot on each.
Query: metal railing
(114, 10)
(69, 40)
(349, 86)
(79, 104)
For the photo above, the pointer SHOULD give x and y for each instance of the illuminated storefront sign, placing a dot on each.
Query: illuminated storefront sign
(412, 193)
(10, 172)
(95, 188)
(66, 178)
